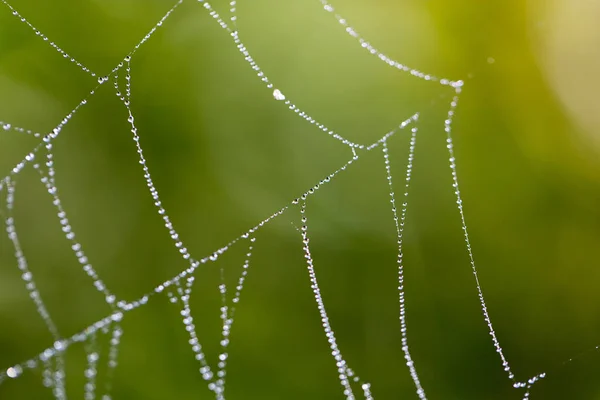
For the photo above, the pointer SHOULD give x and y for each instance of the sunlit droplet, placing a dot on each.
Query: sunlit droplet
(278, 95)
(13, 372)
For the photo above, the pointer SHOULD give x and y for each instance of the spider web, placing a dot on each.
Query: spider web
(51, 361)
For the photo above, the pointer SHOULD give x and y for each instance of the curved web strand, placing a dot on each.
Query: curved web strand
(452, 159)
(345, 374)
(45, 39)
(54, 370)
(49, 183)
(277, 94)
(399, 222)
(126, 100)
(27, 275)
(388, 60)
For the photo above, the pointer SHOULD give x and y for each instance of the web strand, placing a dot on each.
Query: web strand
(126, 100)
(486, 315)
(53, 374)
(227, 314)
(145, 38)
(345, 374)
(399, 223)
(49, 137)
(365, 44)
(6, 126)
(91, 370)
(277, 93)
(184, 295)
(45, 39)
(49, 183)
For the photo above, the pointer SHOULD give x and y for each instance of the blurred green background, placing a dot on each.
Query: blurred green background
(224, 156)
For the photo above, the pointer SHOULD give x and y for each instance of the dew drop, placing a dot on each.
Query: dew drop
(13, 372)
(278, 95)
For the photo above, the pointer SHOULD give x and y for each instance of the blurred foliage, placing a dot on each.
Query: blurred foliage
(224, 156)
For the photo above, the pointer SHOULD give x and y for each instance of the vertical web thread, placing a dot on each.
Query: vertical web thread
(459, 202)
(399, 222)
(54, 368)
(344, 372)
(452, 160)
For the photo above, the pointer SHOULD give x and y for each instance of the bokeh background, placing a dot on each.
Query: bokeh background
(224, 155)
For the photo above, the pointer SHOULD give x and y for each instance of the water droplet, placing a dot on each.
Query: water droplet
(278, 95)
(14, 372)
(59, 345)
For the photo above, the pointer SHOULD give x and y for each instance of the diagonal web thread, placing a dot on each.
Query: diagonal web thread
(47, 40)
(179, 287)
